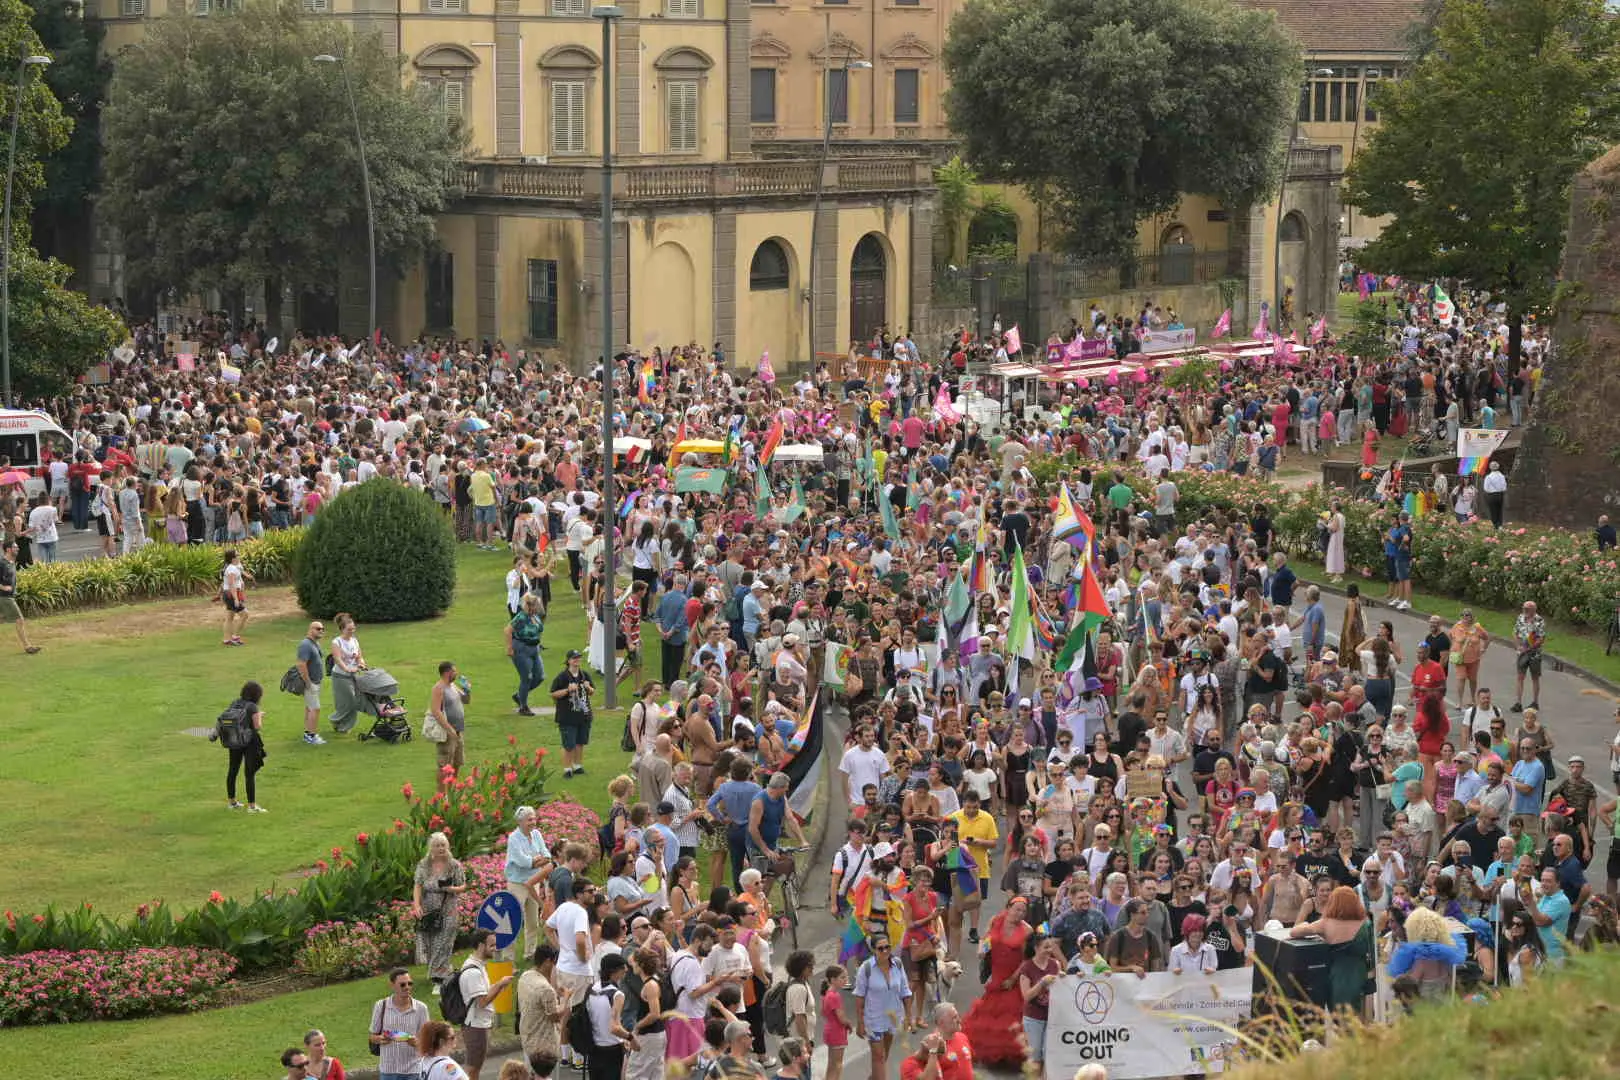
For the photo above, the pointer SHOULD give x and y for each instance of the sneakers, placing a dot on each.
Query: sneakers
(256, 809)
(524, 710)
(568, 772)
(973, 935)
(1517, 707)
(32, 649)
(233, 805)
(312, 739)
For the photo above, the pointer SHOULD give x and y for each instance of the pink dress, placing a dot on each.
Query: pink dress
(1328, 428)
(1369, 449)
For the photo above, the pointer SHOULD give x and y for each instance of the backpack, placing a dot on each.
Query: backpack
(580, 1036)
(734, 605)
(605, 837)
(667, 994)
(633, 1005)
(452, 1003)
(234, 727)
(775, 1009)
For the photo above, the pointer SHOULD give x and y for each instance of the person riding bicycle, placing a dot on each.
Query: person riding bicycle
(766, 816)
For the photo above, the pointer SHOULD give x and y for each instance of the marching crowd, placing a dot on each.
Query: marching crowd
(1122, 726)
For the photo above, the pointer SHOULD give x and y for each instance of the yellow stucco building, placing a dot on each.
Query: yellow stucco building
(721, 191)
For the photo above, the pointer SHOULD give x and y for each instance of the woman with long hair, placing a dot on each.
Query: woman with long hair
(1342, 922)
(438, 882)
(995, 1022)
(434, 1041)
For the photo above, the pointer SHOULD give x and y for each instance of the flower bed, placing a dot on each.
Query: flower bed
(57, 986)
(1561, 570)
(353, 950)
(155, 571)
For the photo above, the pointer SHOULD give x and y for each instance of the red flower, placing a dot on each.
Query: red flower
(322, 865)
(11, 920)
(511, 776)
(362, 839)
(39, 920)
(216, 897)
(398, 824)
(539, 754)
(511, 740)
(337, 853)
(407, 791)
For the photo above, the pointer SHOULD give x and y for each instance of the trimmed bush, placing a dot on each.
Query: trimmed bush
(382, 552)
(155, 572)
(58, 987)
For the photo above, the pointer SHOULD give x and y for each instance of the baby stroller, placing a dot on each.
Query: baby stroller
(375, 689)
(1427, 440)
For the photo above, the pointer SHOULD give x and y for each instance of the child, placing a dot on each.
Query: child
(834, 1024)
(1086, 960)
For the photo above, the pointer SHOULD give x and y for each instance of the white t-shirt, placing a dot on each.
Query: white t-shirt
(474, 985)
(863, 767)
(42, 524)
(686, 975)
(567, 921)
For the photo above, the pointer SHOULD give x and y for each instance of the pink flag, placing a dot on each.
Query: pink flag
(1319, 331)
(1281, 352)
(943, 407)
(1075, 349)
(1259, 331)
(1014, 342)
(1364, 286)
(767, 374)
(1223, 325)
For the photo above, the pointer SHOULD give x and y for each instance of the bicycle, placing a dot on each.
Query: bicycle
(789, 884)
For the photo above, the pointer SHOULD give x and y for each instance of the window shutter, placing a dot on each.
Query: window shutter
(202, 7)
(317, 7)
(683, 115)
(685, 8)
(133, 8)
(568, 7)
(455, 97)
(568, 117)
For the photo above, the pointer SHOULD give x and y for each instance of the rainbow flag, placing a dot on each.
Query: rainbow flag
(674, 455)
(852, 945)
(1066, 521)
(629, 503)
(646, 383)
(773, 439)
(978, 572)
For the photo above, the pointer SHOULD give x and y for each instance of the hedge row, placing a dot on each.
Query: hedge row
(157, 571)
(1561, 570)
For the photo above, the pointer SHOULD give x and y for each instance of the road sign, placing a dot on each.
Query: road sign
(502, 916)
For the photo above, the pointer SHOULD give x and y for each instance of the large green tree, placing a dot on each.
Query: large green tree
(78, 76)
(1117, 108)
(1477, 145)
(55, 333)
(230, 153)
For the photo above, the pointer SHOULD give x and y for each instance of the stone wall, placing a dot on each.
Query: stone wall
(1566, 474)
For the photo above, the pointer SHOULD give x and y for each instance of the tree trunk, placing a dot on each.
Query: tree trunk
(1515, 340)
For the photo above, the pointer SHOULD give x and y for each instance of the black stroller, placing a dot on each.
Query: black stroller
(374, 693)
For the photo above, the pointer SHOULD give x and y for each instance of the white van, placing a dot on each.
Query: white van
(31, 440)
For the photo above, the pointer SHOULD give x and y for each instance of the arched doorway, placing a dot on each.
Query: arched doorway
(1176, 256)
(868, 288)
(1293, 244)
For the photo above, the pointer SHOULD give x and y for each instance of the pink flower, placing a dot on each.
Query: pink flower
(511, 740)
(337, 853)
(362, 839)
(216, 897)
(407, 791)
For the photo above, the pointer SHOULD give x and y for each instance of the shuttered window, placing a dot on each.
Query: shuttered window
(683, 115)
(568, 7)
(762, 95)
(132, 9)
(568, 117)
(685, 9)
(543, 299)
(450, 96)
(906, 108)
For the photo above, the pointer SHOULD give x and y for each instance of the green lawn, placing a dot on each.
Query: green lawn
(242, 1043)
(105, 798)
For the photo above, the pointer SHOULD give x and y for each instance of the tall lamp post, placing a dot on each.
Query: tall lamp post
(365, 182)
(1276, 240)
(5, 257)
(849, 64)
(609, 14)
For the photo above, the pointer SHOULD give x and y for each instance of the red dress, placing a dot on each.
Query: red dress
(1432, 725)
(995, 1023)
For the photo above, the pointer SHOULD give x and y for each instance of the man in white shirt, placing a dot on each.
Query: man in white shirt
(851, 863)
(1221, 878)
(728, 961)
(863, 764)
(479, 994)
(570, 927)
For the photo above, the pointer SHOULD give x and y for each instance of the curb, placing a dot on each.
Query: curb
(1558, 662)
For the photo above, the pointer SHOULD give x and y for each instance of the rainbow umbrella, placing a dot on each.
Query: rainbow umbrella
(472, 423)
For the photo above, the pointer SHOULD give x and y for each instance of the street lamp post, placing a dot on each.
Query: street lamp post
(608, 14)
(365, 182)
(1282, 184)
(849, 64)
(5, 257)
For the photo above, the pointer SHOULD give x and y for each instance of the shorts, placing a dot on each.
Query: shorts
(571, 988)
(476, 1042)
(487, 515)
(59, 489)
(232, 603)
(575, 733)
(1467, 671)
(9, 611)
(1035, 1035)
(312, 695)
(1403, 568)
(1389, 568)
(1528, 662)
(104, 526)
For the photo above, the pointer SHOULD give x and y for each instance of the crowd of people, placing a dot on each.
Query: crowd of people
(1206, 765)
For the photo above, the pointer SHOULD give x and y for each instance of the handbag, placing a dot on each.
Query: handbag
(432, 730)
(431, 922)
(376, 1048)
(293, 681)
(1383, 791)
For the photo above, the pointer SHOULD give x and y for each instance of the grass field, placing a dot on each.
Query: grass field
(106, 797)
(240, 1043)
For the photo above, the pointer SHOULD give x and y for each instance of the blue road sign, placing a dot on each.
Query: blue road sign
(502, 916)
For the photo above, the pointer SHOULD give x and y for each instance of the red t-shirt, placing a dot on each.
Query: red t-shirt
(956, 1063)
(1432, 725)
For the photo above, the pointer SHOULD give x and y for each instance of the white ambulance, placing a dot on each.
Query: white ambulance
(31, 441)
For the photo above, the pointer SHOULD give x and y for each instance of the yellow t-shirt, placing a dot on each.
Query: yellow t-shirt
(981, 828)
(482, 486)
(880, 463)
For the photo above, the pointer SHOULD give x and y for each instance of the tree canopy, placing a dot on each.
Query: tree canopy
(1120, 107)
(230, 152)
(78, 76)
(1477, 146)
(55, 332)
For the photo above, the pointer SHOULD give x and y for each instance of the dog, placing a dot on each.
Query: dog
(948, 971)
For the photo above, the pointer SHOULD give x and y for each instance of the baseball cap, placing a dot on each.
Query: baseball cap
(666, 807)
(574, 654)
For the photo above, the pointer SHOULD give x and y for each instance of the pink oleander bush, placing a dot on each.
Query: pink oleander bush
(565, 822)
(58, 987)
(486, 874)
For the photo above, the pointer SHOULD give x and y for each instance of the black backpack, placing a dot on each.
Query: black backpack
(580, 1036)
(234, 727)
(774, 1007)
(452, 1003)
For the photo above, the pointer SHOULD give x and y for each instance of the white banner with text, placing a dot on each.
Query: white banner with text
(1156, 1025)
